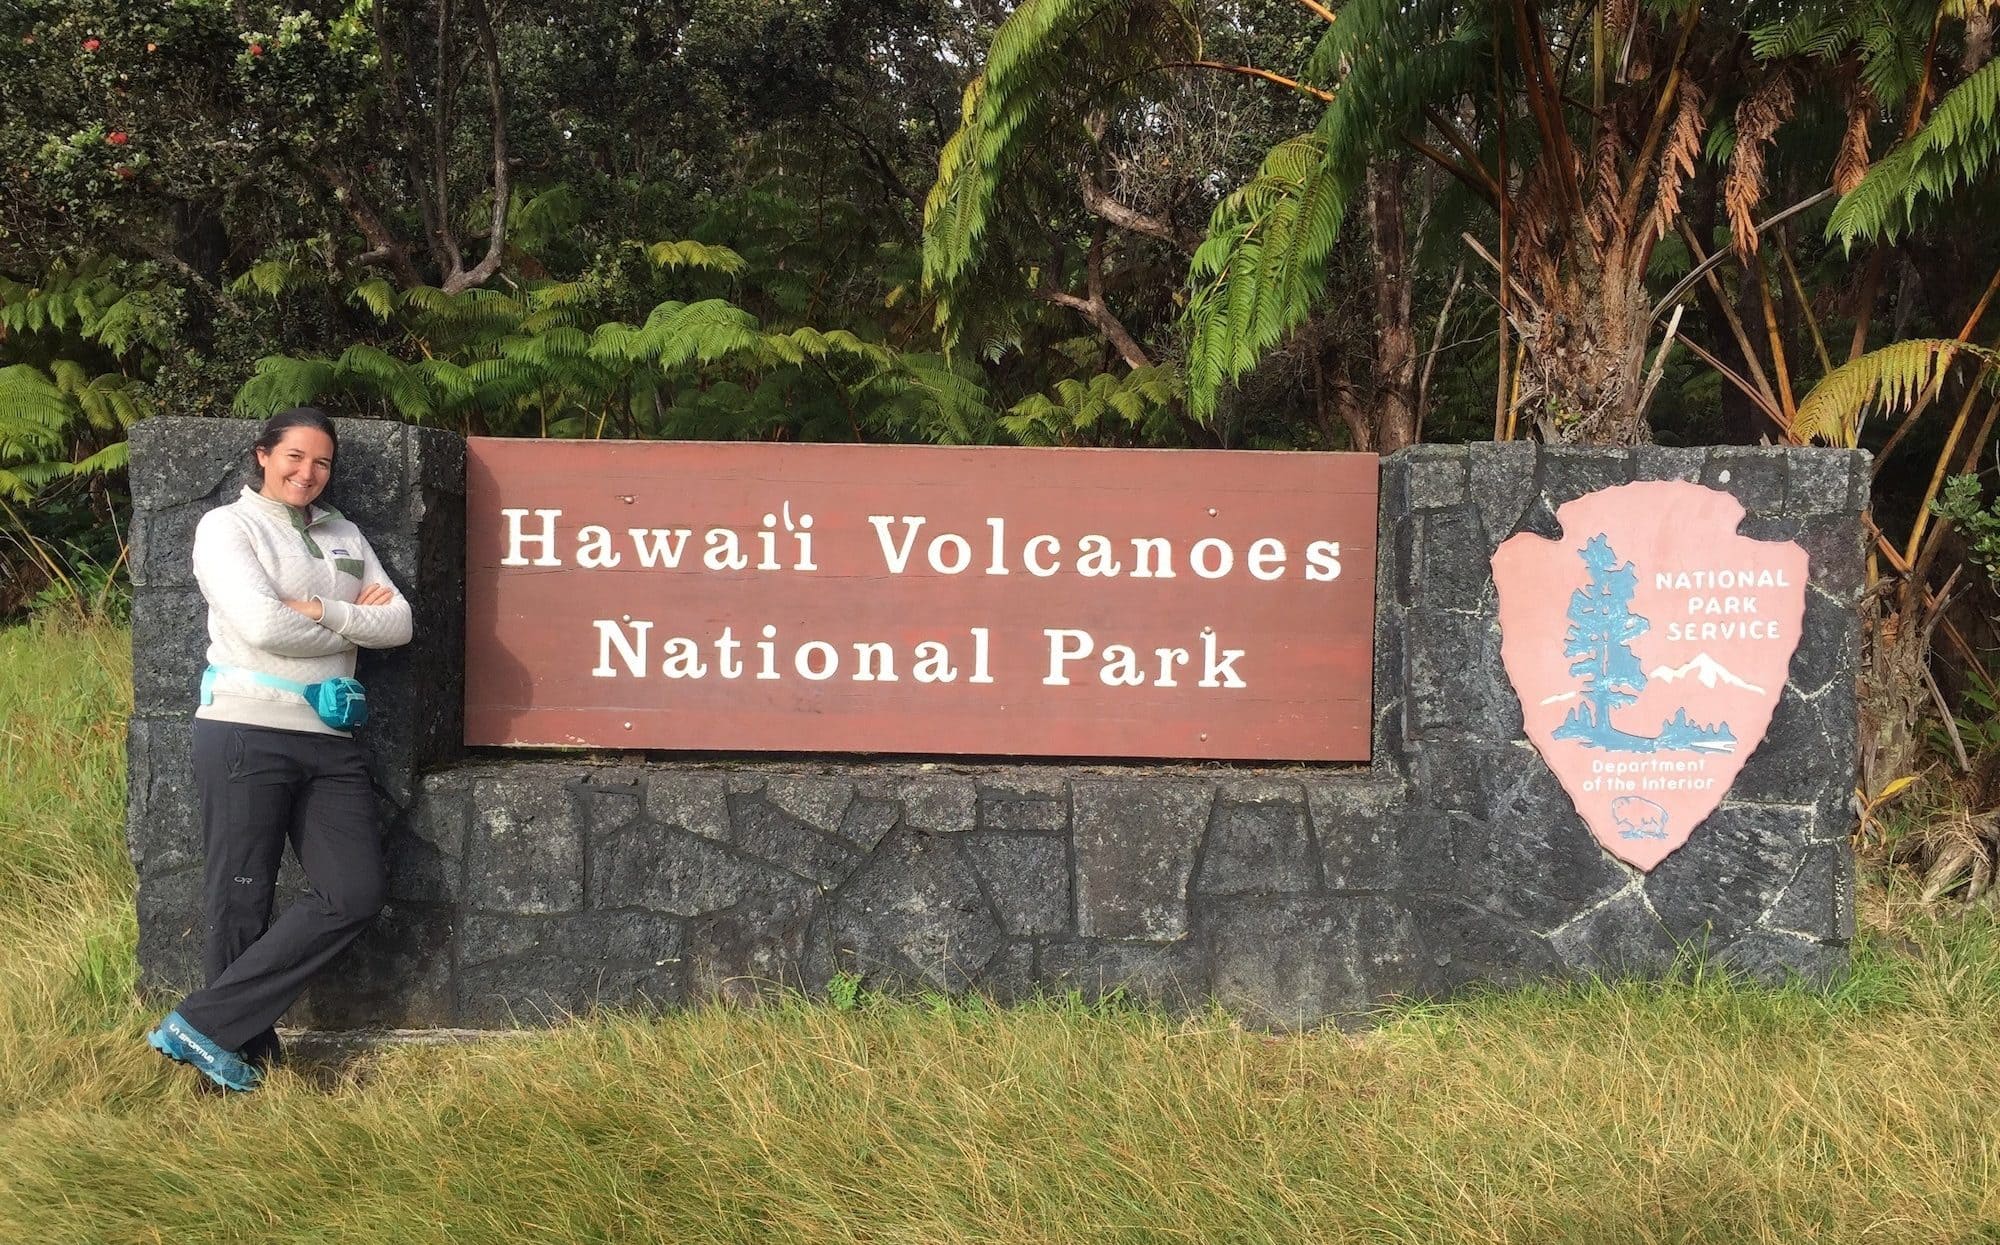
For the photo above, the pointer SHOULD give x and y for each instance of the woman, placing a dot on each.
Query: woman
(292, 590)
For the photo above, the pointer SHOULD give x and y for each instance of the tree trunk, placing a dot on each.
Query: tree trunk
(1395, 355)
(1586, 345)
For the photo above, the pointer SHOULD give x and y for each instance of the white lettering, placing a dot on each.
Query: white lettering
(516, 538)
(1065, 645)
(632, 650)
(896, 559)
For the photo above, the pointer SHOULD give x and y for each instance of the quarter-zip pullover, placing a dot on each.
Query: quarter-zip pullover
(249, 558)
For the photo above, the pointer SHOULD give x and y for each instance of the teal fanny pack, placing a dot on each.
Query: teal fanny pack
(341, 703)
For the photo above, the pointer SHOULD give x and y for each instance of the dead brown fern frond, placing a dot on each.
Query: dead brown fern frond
(1677, 158)
(1852, 162)
(1758, 117)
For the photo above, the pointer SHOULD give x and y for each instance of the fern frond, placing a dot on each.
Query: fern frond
(1956, 147)
(1890, 378)
(281, 382)
(378, 296)
(697, 255)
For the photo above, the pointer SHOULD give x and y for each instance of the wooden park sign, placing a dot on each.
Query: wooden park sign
(914, 599)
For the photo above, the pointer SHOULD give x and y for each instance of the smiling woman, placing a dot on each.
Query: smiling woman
(293, 589)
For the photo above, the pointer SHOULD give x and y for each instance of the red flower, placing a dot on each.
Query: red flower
(117, 138)
(91, 44)
(125, 172)
(256, 49)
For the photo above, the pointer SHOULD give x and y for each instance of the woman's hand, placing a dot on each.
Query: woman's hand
(375, 594)
(311, 609)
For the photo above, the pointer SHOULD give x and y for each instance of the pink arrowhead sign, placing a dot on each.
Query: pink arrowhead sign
(1649, 647)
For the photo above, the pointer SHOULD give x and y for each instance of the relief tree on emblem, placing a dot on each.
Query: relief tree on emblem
(1602, 627)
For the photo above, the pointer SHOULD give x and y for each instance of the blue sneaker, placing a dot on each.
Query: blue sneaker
(183, 1043)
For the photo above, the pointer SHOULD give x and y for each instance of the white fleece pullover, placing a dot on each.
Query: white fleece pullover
(249, 558)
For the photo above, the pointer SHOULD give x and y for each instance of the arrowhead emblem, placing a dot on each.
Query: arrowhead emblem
(1649, 646)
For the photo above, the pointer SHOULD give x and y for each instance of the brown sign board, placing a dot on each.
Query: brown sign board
(918, 599)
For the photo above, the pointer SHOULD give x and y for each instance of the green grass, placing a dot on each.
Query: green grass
(1697, 1110)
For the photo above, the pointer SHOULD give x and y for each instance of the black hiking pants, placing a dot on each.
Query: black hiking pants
(260, 789)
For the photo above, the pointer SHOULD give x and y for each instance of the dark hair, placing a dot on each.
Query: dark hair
(275, 428)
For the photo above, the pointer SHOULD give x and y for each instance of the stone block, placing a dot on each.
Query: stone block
(1260, 848)
(742, 953)
(1033, 804)
(1820, 481)
(1502, 481)
(1170, 974)
(762, 830)
(1454, 563)
(1569, 472)
(1398, 562)
(868, 820)
(916, 911)
(1620, 937)
(694, 802)
(1829, 647)
(1466, 944)
(171, 929)
(1834, 553)
(1772, 957)
(177, 460)
(169, 652)
(1538, 865)
(1792, 765)
(426, 847)
(817, 801)
(1450, 685)
(1754, 475)
(1437, 476)
(161, 553)
(526, 850)
(672, 871)
(1730, 871)
(398, 974)
(163, 809)
(1135, 850)
(1010, 975)
(1817, 903)
(1405, 849)
(610, 801)
(1342, 956)
(1028, 879)
(943, 805)
(1665, 462)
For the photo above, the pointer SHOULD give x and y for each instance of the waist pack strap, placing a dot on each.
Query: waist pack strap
(209, 676)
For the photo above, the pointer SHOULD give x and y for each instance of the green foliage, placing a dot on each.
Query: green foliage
(1052, 64)
(1891, 378)
(546, 363)
(1886, 36)
(1136, 408)
(1262, 268)
(1978, 524)
(1956, 148)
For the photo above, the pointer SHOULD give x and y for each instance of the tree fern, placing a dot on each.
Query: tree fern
(1262, 267)
(1956, 147)
(1890, 378)
(1103, 409)
(1051, 63)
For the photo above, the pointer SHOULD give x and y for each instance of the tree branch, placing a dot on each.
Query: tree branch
(1101, 205)
(1251, 71)
(496, 240)
(392, 254)
(1093, 307)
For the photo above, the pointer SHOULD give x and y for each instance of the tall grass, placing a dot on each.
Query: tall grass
(1692, 1111)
